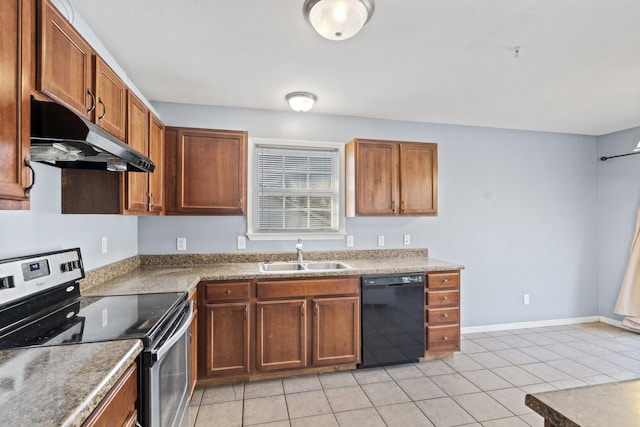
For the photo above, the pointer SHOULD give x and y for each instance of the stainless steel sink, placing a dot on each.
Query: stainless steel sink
(286, 267)
(280, 266)
(327, 265)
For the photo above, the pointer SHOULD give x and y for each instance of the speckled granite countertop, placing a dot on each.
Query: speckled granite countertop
(177, 273)
(602, 405)
(60, 385)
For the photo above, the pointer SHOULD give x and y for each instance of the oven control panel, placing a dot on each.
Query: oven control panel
(28, 275)
(35, 269)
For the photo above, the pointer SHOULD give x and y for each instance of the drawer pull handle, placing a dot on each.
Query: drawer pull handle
(445, 315)
(445, 339)
(228, 291)
(445, 298)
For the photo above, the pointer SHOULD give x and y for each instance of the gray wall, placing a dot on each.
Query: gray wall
(517, 208)
(43, 228)
(619, 187)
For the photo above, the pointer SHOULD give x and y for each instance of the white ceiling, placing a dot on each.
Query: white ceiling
(439, 61)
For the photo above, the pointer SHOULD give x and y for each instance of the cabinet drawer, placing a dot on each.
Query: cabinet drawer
(443, 315)
(308, 287)
(443, 280)
(226, 291)
(443, 298)
(443, 338)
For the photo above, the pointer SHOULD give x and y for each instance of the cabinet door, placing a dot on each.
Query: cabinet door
(156, 154)
(111, 99)
(138, 138)
(15, 64)
(376, 178)
(64, 62)
(118, 407)
(227, 342)
(336, 330)
(418, 179)
(211, 172)
(281, 338)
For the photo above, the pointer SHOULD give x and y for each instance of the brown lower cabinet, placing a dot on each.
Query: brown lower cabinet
(118, 408)
(225, 345)
(442, 313)
(257, 328)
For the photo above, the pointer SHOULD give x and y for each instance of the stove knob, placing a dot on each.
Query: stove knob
(64, 267)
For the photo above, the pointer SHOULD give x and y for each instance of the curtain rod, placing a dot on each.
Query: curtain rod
(603, 158)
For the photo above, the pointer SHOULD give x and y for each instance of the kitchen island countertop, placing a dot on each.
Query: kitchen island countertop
(60, 385)
(610, 404)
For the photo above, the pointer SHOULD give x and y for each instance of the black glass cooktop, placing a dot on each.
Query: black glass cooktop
(99, 318)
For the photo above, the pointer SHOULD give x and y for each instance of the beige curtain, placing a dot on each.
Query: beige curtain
(628, 304)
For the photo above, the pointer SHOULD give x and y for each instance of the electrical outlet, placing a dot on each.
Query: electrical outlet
(381, 240)
(349, 241)
(525, 299)
(242, 242)
(406, 239)
(181, 244)
(104, 245)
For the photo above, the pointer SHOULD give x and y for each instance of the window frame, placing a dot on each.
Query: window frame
(253, 193)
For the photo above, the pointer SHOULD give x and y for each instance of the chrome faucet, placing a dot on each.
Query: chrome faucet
(299, 249)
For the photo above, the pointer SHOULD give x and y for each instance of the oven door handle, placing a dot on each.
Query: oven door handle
(159, 353)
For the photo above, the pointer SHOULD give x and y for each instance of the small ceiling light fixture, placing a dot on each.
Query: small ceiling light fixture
(301, 101)
(338, 19)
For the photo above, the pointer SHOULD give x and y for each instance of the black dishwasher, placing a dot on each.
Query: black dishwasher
(392, 319)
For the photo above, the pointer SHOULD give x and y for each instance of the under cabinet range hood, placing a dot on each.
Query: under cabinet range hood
(62, 138)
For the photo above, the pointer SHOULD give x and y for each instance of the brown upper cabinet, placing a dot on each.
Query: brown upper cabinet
(205, 172)
(387, 178)
(71, 73)
(136, 183)
(15, 86)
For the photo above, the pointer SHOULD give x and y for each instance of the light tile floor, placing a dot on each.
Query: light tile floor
(483, 385)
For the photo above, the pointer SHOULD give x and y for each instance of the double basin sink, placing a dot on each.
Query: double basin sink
(293, 266)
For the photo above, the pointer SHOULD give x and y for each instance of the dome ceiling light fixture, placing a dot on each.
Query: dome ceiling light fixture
(338, 19)
(301, 101)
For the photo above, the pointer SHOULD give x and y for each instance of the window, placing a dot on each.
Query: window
(295, 190)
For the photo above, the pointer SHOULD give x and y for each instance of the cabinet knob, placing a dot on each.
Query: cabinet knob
(445, 339)
(393, 206)
(402, 208)
(228, 291)
(445, 298)
(445, 315)
(445, 280)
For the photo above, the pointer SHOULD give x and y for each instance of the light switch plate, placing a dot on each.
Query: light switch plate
(104, 245)
(381, 240)
(406, 239)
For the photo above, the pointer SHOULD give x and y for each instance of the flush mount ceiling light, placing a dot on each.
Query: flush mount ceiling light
(338, 19)
(301, 101)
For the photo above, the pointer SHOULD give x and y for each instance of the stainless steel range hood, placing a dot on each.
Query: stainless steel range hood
(61, 138)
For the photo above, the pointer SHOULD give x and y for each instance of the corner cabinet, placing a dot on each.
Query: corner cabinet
(442, 314)
(16, 69)
(390, 178)
(205, 172)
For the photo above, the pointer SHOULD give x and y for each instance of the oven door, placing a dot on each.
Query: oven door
(165, 392)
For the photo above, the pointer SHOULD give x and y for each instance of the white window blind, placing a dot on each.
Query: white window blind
(297, 189)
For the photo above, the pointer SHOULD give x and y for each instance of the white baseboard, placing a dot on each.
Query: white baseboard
(536, 324)
(612, 322)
